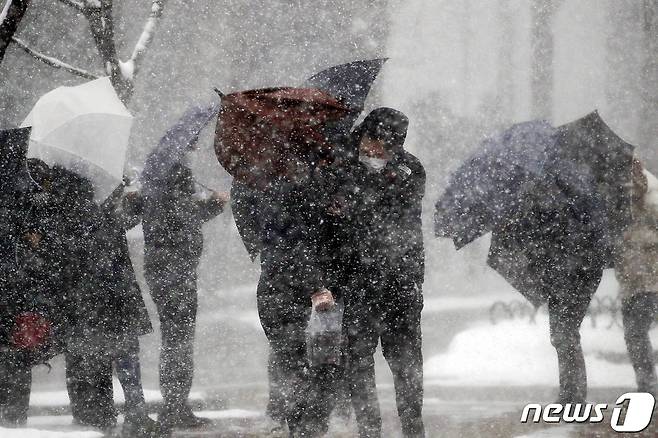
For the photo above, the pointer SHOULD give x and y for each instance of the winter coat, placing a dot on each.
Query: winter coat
(293, 253)
(386, 218)
(637, 266)
(50, 273)
(13, 209)
(172, 225)
(244, 204)
(113, 303)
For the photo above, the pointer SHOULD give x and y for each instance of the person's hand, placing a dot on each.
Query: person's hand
(221, 197)
(32, 238)
(322, 300)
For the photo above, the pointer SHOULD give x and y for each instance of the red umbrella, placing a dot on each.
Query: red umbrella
(261, 132)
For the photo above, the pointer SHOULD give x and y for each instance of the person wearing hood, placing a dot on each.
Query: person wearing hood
(172, 220)
(637, 273)
(385, 300)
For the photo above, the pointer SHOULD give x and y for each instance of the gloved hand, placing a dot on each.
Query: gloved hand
(322, 300)
(30, 331)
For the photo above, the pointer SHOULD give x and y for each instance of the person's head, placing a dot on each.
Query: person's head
(383, 132)
(70, 187)
(640, 185)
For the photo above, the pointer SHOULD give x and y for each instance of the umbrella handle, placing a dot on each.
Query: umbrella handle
(203, 185)
(114, 196)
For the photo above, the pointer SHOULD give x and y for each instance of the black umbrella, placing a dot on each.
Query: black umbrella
(596, 151)
(350, 83)
(13, 155)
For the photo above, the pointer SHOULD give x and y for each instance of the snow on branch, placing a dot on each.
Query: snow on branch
(75, 4)
(129, 68)
(5, 11)
(53, 62)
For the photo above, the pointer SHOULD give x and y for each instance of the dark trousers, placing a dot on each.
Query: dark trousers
(89, 380)
(89, 385)
(173, 289)
(15, 386)
(129, 373)
(302, 392)
(389, 311)
(639, 311)
(567, 307)
(276, 401)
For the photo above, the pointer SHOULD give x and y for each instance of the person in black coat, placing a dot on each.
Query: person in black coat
(173, 245)
(29, 296)
(111, 317)
(385, 300)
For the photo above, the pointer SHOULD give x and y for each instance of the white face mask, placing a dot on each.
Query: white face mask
(375, 164)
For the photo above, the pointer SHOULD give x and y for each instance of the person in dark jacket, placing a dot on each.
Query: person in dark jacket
(292, 225)
(26, 301)
(173, 245)
(385, 301)
(292, 281)
(112, 315)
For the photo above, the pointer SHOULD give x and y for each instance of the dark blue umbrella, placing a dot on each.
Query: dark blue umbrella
(350, 83)
(554, 199)
(488, 187)
(171, 150)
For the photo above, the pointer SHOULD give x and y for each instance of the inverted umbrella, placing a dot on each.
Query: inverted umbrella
(85, 129)
(173, 146)
(487, 188)
(261, 133)
(547, 198)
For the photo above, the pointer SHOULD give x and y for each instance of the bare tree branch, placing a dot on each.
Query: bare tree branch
(53, 62)
(101, 24)
(74, 4)
(11, 15)
(146, 38)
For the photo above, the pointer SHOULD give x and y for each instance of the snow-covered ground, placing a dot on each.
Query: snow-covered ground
(38, 433)
(61, 398)
(518, 352)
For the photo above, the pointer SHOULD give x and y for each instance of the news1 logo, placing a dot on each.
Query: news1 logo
(637, 408)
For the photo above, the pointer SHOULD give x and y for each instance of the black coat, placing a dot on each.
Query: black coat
(290, 218)
(385, 212)
(50, 273)
(245, 204)
(14, 207)
(113, 304)
(172, 223)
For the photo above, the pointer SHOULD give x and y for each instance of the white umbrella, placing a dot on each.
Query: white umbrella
(85, 129)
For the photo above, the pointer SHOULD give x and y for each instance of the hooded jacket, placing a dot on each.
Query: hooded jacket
(387, 203)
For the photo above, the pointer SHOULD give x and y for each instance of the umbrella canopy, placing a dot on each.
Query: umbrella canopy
(598, 153)
(13, 156)
(554, 199)
(173, 146)
(488, 187)
(350, 83)
(85, 129)
(261, 133)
